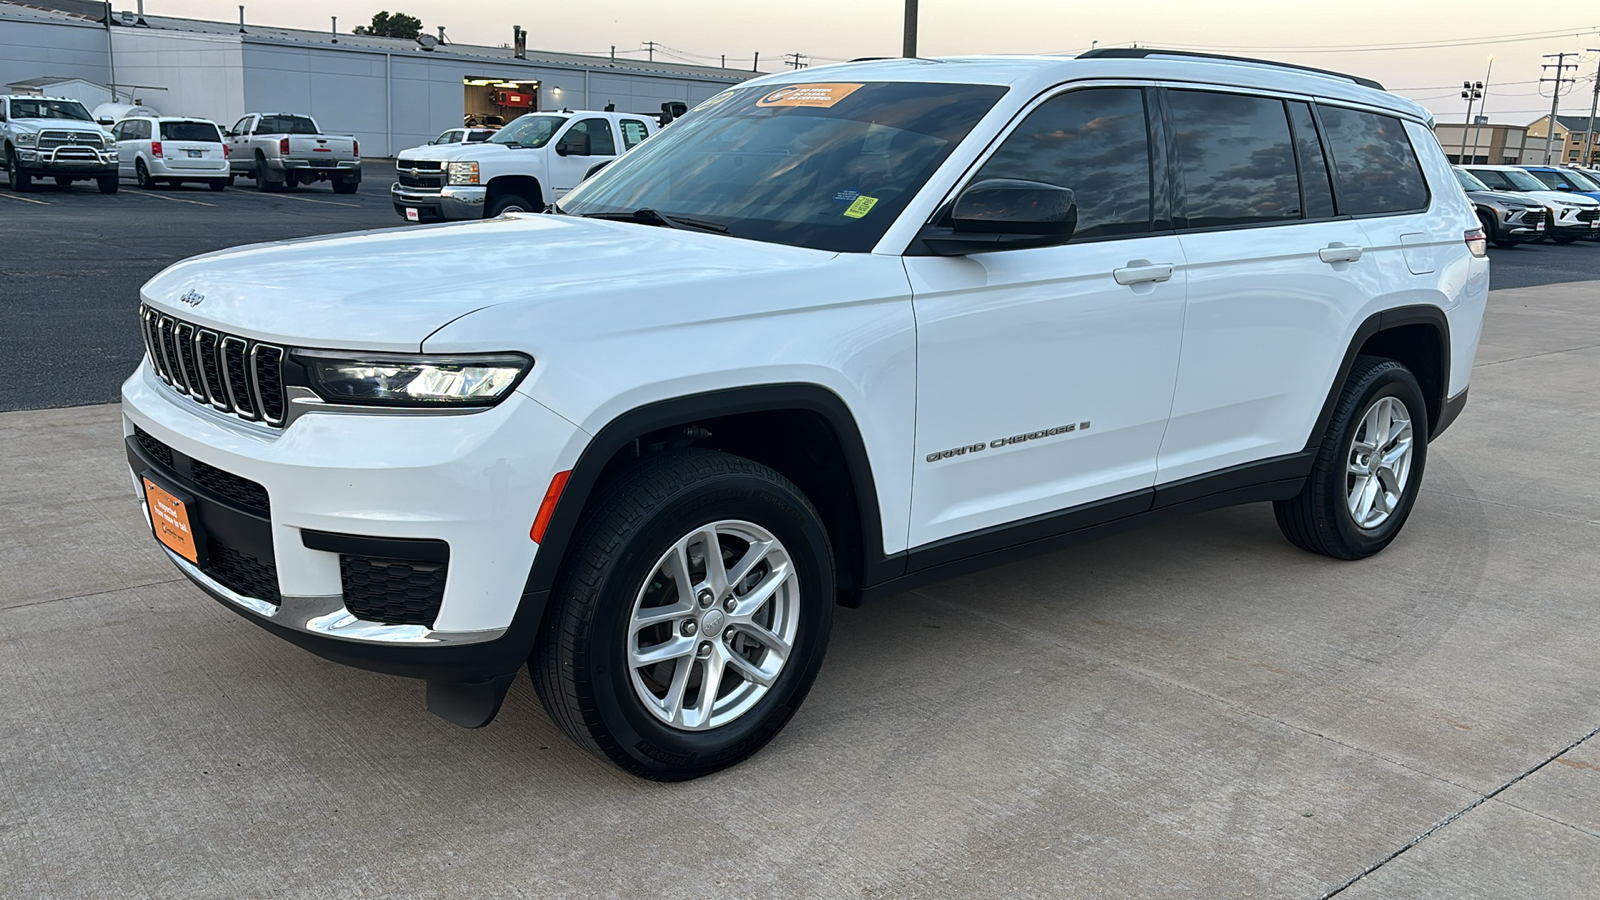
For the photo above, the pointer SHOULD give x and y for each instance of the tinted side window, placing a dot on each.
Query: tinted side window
(633, 131)
(1315, 187)
(1095, 142)
(1236, 158)
(1377, 169)
(240, 126)
(601, 142)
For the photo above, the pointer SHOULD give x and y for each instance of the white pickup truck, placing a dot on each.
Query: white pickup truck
(525, 166)
(282, 151)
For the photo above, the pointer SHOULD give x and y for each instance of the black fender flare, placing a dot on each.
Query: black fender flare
(620, 431)
(1385, 320)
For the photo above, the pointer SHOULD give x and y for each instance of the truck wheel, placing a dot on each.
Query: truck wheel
(263, 182)
(690, 617)
(141, 175)
(345, 185)
(1369, 468)
(508, 203)
(107, 183)
(16, 179)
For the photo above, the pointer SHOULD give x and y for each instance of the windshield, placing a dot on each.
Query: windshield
(528, 131)
(1578, 180)
(49, 109)
(286, 125)
(190, 131)
(1522, 181)
(826, 166)
(1470, 182)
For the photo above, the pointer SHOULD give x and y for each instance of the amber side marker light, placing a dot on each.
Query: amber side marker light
(547, 508)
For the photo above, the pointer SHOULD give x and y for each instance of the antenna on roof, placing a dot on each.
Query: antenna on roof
(335, 29)
(241, 18)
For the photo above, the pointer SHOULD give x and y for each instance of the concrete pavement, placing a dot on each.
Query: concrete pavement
(1196, 709)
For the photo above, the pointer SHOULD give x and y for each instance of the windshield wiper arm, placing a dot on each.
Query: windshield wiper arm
(648, 216)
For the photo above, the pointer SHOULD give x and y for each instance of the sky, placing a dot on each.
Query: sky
(1422, 50)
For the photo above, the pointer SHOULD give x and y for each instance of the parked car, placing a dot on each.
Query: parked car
(1565, 180)
(282, 151)
(523, 167)
(53, 137)
(819, 341)
(171, 150)
(1507, 219)
(464, 136)
(1572, 216)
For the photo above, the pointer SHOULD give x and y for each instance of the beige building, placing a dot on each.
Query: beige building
(1570, 134)
(1480, 144)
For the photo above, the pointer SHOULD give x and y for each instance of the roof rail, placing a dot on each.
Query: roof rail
(1142, 52)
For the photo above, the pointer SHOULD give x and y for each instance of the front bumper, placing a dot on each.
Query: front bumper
(452, 202)
(472, 481)
(74, 160)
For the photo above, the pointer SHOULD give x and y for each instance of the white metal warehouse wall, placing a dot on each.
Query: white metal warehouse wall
(35, 48)
(203, 73)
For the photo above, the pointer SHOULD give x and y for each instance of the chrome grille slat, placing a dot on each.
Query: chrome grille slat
(229, 373)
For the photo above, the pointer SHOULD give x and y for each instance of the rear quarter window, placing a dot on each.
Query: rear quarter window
(1377, 167)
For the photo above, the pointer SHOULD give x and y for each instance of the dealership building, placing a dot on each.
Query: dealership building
(389, 93)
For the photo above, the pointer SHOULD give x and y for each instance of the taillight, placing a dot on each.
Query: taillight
(283, 146)
(355, 149)
(155, 148)
(1477, 242)
(226, 152)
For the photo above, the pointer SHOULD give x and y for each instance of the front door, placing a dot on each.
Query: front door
(584, 144)
(1045, 376)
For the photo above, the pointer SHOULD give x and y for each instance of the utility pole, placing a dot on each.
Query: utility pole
(651, 46)
(1469, 93)
(794, 60)
(1483, 111)
(908, 47)
(1588, 136)
(755, 64)
(1561, 66)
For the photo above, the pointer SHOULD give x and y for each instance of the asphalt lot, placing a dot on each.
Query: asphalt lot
(72, 261)
(1193, 710)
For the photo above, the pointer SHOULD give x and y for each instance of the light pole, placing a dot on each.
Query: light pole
(1483, 111)
(1471, 93)
(1588, 136)
(908, 49)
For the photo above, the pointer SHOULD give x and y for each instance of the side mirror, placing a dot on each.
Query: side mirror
(1005, 214)
(104, 121)
(576, 143)
(1563, 186)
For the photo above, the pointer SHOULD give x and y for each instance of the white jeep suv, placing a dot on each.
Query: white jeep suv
(833, 334)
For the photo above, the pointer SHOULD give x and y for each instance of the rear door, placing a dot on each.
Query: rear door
(1045, 375)
(191, 145)
(1276, 273)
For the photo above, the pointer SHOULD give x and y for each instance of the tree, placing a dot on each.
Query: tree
(398, 25)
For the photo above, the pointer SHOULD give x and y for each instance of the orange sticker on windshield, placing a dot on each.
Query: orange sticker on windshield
(817, 95)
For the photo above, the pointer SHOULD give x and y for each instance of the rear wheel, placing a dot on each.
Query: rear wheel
(1368, 470)
(263, 180)
(691, 617)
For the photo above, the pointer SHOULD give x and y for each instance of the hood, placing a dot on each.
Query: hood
(62, 124)
(390, 289)
(456, 151)
(1558, 197)
(1502, 198)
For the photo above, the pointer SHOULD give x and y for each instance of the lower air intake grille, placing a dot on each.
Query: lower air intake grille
(392, 591)
(242, 491)
(158, 451)
(242, 573)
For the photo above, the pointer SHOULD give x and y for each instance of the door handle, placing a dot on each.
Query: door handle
(1337, 252)
(1138, 271)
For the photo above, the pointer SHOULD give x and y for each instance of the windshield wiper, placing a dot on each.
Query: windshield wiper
(647, 216)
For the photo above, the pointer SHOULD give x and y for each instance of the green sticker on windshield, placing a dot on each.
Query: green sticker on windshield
(861, 207)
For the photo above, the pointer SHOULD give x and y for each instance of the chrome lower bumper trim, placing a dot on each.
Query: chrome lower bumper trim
(327, 617)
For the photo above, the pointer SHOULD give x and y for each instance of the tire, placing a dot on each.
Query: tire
(108, 184)
(141, 175)
(508, 203)
(219, 184)
(582, 666)
(264, 183)
(16, 179)
(345, 186)
(1319, 519)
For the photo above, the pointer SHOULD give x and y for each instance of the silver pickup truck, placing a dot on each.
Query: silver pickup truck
(282, 151)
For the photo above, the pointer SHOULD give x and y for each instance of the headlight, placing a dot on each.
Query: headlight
(403, 379)
(463, 173)
(106, 143)
(24, 139)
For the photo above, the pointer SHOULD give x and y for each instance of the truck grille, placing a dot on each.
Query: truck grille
(423, 173)
(229, 373)
(52, 139)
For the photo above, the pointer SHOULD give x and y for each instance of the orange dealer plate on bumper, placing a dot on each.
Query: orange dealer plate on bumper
(170, 519)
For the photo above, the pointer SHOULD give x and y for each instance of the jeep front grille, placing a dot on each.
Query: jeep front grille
(229, 373)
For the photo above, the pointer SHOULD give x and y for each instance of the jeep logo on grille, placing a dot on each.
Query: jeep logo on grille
(193, 298)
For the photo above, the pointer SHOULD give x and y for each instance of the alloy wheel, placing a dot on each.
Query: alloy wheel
(1378, 465)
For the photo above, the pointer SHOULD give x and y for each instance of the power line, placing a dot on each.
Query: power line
(1408, 45)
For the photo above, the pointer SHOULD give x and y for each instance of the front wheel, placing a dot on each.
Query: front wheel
(16, 179)
(1368, 470)
(141, 175)
(690, 618)
(508, 203)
